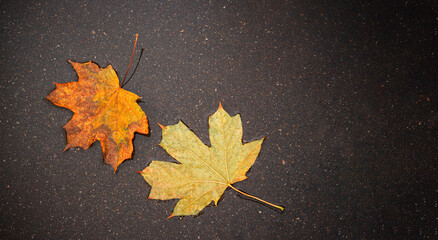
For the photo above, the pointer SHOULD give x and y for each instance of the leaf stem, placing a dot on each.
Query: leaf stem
(261, 200)
(135, 69)
(132, 56)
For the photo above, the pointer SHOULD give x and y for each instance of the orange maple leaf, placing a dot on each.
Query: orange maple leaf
(103, 111)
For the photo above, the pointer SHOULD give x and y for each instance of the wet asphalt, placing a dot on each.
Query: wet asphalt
(345, 94)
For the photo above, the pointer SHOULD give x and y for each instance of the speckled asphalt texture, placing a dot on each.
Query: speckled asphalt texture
(344, 92)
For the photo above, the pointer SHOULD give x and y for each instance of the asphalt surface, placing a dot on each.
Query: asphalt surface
(344, 92)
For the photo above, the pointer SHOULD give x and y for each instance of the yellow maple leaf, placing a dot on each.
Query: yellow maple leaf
(205, 172)
(103, 111)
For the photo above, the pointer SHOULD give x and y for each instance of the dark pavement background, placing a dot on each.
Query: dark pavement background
(344, 92)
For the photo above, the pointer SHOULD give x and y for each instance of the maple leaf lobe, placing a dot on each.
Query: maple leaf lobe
(205, 172)
(103, 111)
